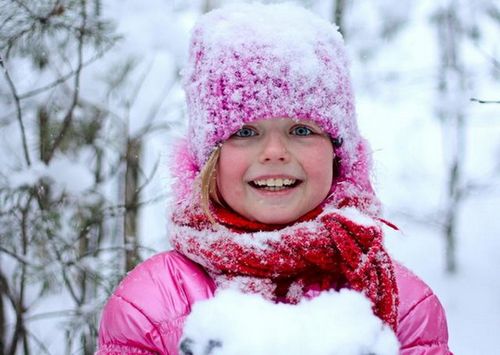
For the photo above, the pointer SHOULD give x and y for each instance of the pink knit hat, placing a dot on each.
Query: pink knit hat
(252, 61)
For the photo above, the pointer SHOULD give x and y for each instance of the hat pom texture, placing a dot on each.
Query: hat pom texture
(249, 62)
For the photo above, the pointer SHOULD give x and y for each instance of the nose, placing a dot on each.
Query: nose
(274, 149)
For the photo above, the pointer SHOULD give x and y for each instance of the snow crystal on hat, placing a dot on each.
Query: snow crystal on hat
(253, 61)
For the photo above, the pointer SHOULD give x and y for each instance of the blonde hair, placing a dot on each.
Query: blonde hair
(208, 182)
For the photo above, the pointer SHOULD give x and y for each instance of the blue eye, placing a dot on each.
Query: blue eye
(245, 132)
(302, 131)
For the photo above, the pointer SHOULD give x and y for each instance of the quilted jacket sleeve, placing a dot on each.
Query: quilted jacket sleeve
(146, 313)
(125, 329)
(422, 328)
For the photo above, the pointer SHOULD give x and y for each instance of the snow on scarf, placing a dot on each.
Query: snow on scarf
(328, 248)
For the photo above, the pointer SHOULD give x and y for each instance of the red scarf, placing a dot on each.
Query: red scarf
(325, 249)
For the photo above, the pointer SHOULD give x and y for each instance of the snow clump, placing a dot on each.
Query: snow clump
(334, 323)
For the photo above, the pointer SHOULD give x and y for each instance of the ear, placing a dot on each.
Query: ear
(336, 167)
(337, 142)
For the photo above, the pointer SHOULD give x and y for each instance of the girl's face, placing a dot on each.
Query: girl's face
(275, 171)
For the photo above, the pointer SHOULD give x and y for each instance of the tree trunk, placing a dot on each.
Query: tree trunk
(207, 6)
(452, 116)
(134, 147)
(338, 15)
(3, 318)
(43, 134)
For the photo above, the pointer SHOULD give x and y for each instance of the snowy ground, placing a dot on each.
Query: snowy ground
(470, 298)
(406, 140)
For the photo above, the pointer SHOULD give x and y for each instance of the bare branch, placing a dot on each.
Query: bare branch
(485, 101)
(64, 77)
(26, 8)
(156, 108)
(19, 334)
(69, 115)
(5, 290)
(19, 258)
(40, 344)
(51, 314)
(19, 111)
(148, 179)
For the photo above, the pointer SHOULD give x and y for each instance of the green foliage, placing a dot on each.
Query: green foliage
(54, 239)
(33, 29)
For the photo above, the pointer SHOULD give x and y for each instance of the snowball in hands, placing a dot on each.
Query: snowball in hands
(334, 323)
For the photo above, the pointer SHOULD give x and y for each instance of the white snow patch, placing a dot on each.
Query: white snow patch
(354, 215)
(66, 173)
(333, 323)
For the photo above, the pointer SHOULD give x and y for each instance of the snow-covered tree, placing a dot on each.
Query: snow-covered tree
(72, 173)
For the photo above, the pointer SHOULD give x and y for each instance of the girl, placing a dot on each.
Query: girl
(273, 189)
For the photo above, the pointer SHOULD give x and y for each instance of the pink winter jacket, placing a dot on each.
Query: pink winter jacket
(146, 313)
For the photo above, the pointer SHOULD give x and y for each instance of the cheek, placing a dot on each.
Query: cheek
(322, 177)
(231, 169)
(319, 165)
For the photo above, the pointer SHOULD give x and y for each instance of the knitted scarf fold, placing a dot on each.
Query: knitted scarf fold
(327, 248)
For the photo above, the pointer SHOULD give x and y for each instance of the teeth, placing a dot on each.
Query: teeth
(274, 182)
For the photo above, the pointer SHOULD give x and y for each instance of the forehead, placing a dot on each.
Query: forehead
(282, 122)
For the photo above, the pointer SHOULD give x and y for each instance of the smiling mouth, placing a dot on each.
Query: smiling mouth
(275, 184)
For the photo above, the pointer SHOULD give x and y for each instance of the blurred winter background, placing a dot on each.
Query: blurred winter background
(90, 105)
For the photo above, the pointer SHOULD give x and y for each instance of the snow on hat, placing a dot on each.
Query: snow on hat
(253, 61)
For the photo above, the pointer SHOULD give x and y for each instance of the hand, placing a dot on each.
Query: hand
(188, 347)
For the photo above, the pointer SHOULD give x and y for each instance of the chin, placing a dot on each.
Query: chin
(270, 219)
